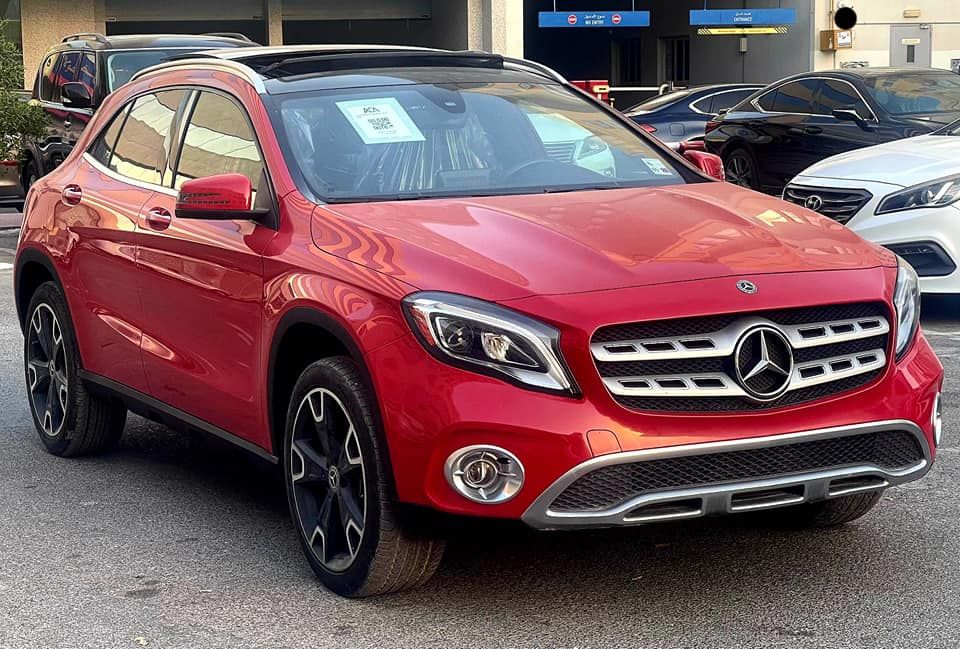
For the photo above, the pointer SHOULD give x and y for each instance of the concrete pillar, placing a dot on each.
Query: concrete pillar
(273, 15)
(502, 27)
(45, 22)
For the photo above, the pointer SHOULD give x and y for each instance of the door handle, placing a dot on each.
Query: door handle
(71, 195)
(158, 218)
(813, 130)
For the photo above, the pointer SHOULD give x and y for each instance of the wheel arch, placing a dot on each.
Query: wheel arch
(33, 268)
(303, 336)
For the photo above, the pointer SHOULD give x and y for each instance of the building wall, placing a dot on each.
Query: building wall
(871, 36)
(45, 22)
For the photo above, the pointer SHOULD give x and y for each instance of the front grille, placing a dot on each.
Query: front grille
(927, 258)
(841, 205)
(612, 485)
(689, 364)
(560, 151)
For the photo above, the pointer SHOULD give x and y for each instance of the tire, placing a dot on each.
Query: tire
(70, 420)
(331, 415)
(741, 168)
(30, 176)
(828, 513)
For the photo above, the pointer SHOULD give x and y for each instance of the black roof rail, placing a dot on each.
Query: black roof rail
(282, 65)
(83, 36)
(237, 35)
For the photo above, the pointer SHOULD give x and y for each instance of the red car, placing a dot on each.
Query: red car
(450, 281)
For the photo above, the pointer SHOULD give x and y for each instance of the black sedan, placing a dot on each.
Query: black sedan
(791, 124)
(682, 114)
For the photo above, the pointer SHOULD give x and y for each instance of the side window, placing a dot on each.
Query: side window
(102, 148)
(729, 99)
(836, 94)
(76, 67)
(768, 101)
(218, 140)
(705, 105)
(139, 152)
(47, 78)
(796, 97)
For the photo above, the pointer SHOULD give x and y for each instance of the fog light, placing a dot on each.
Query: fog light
(484, 474)
(937, 420)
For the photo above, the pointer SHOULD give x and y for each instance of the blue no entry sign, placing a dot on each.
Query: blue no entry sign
(594, 18)
(742, 17)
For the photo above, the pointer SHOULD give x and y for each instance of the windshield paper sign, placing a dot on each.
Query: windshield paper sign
(380, 121)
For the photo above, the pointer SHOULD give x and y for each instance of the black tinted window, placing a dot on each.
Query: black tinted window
(768, 101)
(48, 78)
(916, 94)
(704, 105)
(836, 94)
(77, 67)
(218, 140)
(796, 97)
(102, 148)
(729, 99)
(140, 149)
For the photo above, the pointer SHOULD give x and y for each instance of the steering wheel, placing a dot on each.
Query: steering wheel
(530, 165)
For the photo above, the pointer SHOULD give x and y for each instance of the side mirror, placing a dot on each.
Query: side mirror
(708, 163)
(225, 197)
(76, 95)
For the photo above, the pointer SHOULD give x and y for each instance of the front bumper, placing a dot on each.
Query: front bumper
(430, 410)
(940, 226)
(712, 497)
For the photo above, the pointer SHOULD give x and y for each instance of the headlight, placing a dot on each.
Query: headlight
(489, 339)
(906, 302)
(936, 194)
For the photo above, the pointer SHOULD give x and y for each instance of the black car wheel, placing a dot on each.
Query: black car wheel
(741, 169)
(337, 490)
(69, 419)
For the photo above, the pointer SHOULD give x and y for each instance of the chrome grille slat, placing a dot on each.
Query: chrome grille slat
(723, 342)
(696, 369)
(841, 205)
(694, 385)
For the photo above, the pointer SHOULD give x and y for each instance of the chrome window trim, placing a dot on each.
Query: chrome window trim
(714, 94)
(717, 499)
(755, 102)
(93, 162)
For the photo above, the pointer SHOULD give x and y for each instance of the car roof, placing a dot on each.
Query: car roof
(278, 70)
(862, 73)
(153, 41)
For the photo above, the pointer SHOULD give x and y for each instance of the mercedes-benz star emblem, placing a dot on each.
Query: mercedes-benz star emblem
(813, 202)
(745, 286)
(764, 362)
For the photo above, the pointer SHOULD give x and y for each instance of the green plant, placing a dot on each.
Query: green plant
(17, 117)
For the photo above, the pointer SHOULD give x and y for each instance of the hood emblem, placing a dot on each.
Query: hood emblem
(813, 202)
(763, 360)
(745, 286)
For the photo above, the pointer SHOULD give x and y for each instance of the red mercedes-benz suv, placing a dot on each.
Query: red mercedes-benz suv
(436, 280)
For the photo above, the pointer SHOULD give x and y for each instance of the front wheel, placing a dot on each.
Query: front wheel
(69, 419)
(337, 488)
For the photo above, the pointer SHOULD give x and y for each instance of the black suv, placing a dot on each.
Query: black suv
(781, 130)
(77, 74)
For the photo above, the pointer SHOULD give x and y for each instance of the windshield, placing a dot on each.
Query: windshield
(916, 94)
(659, 102)
(121, 66)
(421, 141)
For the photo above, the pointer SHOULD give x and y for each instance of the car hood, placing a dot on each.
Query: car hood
(508, 247)
(901, 162)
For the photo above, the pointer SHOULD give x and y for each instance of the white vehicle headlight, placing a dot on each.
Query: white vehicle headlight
(490, 339)
(935, 194)
(906, 302)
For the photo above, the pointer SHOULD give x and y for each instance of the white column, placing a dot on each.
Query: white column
(273, 16)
